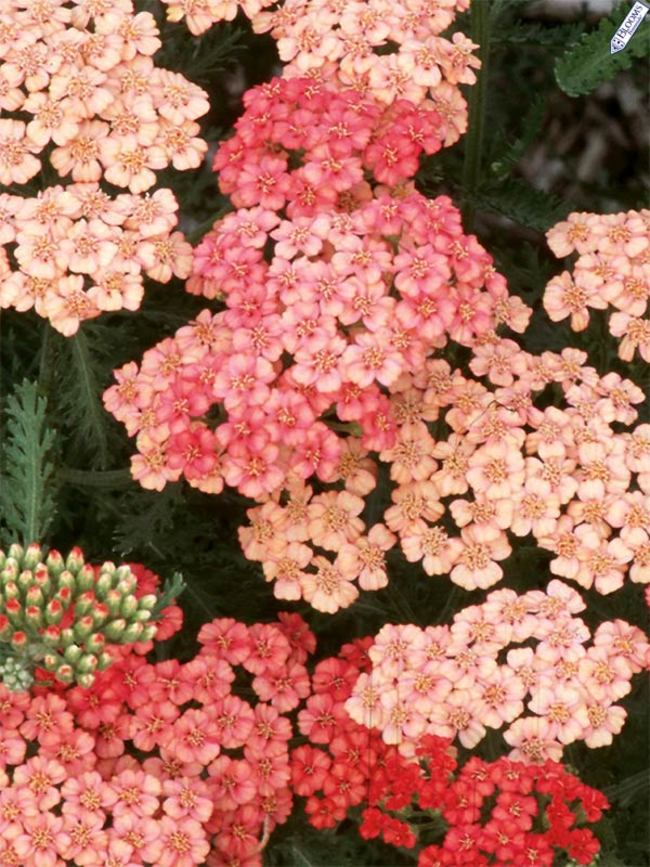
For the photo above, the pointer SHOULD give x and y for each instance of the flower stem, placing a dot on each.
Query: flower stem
(480, 34)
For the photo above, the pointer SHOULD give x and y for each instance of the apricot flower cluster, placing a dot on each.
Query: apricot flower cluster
(449, 681)
(78, 87)
(612, 270)
(64, 615)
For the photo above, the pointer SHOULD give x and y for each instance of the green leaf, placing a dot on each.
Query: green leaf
(522, 203)
(27, 496)
(79, 395)
(589, 63)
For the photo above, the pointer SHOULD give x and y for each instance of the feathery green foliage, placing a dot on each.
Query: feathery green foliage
(27, 488)
(589, 62)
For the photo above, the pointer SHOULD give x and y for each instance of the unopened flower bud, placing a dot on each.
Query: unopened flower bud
(51, 635)
(42, 579)
(96, 642)
(9, 573)
(19, 639)
(6, 628)
(72, 653)
(84, 603)
(148, 632)
(129, 607)
(74, 560)
(113, 602)
(103, 661)
(34, 596)
(86, 578)
(32, 556)
(65, 673)
(85, 680)
(99, 613)
(11, 590)
(34, 616)
(54, 563)
(114, 630)
(67, 637)
(133, 632)
(66, 580)
(127, 585)
(141, 616)
(25, 579)
(103, 585)
(87, 663)
(16, 552)
(148, 602)
(14, 611)
(83, 627)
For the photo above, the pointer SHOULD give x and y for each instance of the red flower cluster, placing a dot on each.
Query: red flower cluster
(497, 813)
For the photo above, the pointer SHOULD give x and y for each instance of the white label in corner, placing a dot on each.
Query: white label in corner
(629, 27)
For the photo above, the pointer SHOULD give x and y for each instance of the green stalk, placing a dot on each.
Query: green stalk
(480, 34)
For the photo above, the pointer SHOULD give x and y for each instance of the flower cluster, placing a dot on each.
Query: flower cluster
(78, 86)
(200, 15)
(612, 270)
(346, 305)
(65, 615)
(499, 813)
(304, 147)
(336, 768)
(80, 252)
(160, 764)
(345, 43)
(450, 681)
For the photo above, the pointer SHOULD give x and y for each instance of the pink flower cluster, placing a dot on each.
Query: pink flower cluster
(78, 86)
(311, 340)
(80, 252)
(212, 775)
(449, 681)
(305, 147)
(612, 270)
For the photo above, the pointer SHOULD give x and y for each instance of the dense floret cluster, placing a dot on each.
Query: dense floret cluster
(611, 271)
(449, 681)
(79, 89)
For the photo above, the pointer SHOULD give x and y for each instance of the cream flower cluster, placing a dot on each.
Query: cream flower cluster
(612, 270)
(450, 681)
(80, 90)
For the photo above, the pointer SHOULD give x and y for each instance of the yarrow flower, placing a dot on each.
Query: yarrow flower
(87, 95)
(611, 270)
(448, 681)
(161, 764)
(481, 809)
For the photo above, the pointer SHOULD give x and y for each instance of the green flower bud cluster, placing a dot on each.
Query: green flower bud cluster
(62, 615)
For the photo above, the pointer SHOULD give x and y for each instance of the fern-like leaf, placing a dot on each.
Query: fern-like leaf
(522, 203)
(79, 397)
(27, 500)
(589, 63)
